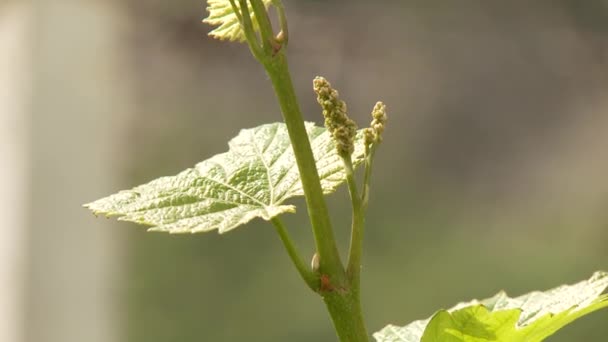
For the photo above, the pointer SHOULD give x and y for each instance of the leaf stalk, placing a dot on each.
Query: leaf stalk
(309, 278)
(353, 269)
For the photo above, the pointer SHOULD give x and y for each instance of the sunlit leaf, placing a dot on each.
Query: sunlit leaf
(528, 318)
(253, 179)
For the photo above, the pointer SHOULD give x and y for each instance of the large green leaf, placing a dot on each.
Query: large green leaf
(529, 318)
(253, 179)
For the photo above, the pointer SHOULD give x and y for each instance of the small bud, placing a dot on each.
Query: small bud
(280, 37)
(339, 125)
(314, 263)
(369, 136)
(373, 134)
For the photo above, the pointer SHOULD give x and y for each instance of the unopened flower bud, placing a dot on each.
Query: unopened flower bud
(314, 263)
(374, 133)
(339, 125)
(369, 136)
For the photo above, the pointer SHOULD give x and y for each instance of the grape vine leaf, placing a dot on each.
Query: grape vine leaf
(528, 318)
(228, 27)
(253, 179)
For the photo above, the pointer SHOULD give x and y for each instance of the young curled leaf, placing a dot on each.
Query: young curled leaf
(222, 15)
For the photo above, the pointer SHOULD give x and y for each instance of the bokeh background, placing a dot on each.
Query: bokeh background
(492, 175)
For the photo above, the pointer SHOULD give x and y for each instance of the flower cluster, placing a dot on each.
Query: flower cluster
(340, 126)
(373, 134)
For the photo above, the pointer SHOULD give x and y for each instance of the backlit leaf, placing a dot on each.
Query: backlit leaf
(253, 179)
(528, 318)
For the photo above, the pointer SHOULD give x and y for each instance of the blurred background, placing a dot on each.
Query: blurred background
(492, 175)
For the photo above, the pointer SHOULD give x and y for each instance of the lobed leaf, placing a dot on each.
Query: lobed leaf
(530, 318)
(253, 179)
(228, 27)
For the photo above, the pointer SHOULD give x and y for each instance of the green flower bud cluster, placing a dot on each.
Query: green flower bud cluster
(373, 134)
(341, 127)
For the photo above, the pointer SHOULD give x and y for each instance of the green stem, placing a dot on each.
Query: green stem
(330, 263)
(341, 298)
(369, 157)
(330, 280)
(346, 314)
(311, 280)
(268, 40)
(353, 269)
(242, 13)
(278, 4)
